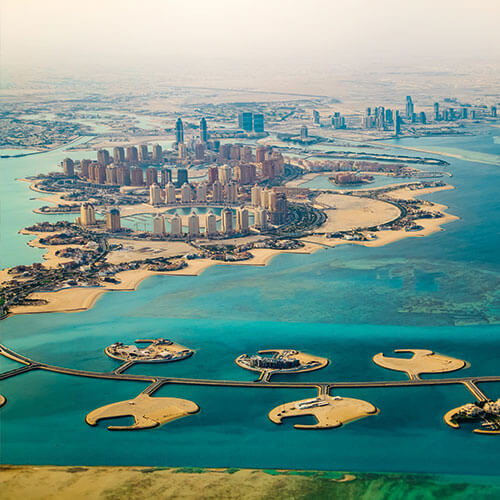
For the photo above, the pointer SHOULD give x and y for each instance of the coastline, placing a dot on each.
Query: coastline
(78, 299)
(189, 483)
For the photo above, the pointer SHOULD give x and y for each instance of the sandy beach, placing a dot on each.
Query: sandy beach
(344, 213)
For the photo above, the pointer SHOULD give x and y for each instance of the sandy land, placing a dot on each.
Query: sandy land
(306, 178)
(141, 483)
(422, 361)
(350, 212)
(334, 414)
(82, 298)
(410, 194)
(144, 483)
(385, 237)
(140, 250)
(147, 412)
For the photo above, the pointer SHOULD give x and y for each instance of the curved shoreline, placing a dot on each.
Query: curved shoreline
(78, 299)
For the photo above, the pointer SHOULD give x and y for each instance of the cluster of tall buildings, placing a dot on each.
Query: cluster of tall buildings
(251, 122)
(193, 229)
(386, 119)
(450, 113)
(123, 175)
(88, 218)
(272, 203)
(179, 131)
(201, 192)
(131, 155)
(379, 118)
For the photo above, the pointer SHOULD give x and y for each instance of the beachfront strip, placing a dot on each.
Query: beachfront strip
(329, 411)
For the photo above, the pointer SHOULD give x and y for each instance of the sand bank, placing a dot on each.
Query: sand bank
(148, 412)
(422, 361)
(329, 411)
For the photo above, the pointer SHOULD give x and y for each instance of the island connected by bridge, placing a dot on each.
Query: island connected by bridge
(329, 410)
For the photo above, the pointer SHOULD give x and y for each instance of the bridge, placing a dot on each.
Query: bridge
(155, 382)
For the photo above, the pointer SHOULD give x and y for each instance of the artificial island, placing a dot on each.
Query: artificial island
(328, 410)
(221, 194)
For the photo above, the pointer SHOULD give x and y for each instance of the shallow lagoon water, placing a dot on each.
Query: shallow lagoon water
(348, 303)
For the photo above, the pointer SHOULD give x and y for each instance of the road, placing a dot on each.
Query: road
(265, 381)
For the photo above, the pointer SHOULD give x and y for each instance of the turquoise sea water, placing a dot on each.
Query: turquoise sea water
(440, 292)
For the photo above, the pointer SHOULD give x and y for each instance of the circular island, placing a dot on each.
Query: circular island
(271, 361)
(158, 351)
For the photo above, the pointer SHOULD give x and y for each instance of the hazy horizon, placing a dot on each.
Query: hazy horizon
(274, 44)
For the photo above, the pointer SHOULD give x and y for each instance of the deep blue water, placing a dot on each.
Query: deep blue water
(348, 303)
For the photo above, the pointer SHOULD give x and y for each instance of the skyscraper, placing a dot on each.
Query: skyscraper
(397, 123)
(210, 224)
(193, 225)
(217, 193)
(227, 220)
(258, 122)
(176, 225)
(260, 218)
(155, 195)
(136, 176)
(203, 130)
(242, 220)
(225, 174)
(213, 174)
(436, 112)
(245, 121)
(84, 168)
(103, 157)
(118, 155)
(224, 152)
(113, 220)
(158, 224)
(157, 155)
(199, 151)
(165, 176)
(170, 197)
(315, 117)
(260, 154)
(143, 153)
(68, 167)
(246, 154)
(123, 175)
(234, 153)
(245, 173)
(278, 207)
(256, 196)
(186, 193)
(151, 176)
(201, 192)
(179, 131)
(409, 107)
(111, 175)
(182, 176)
(231, 192)
(100, 174)
(131, 155)
(87, 214)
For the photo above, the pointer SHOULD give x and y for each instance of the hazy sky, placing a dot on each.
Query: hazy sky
(210, 32)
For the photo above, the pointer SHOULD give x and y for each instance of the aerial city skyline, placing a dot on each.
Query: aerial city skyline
(249, 250)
